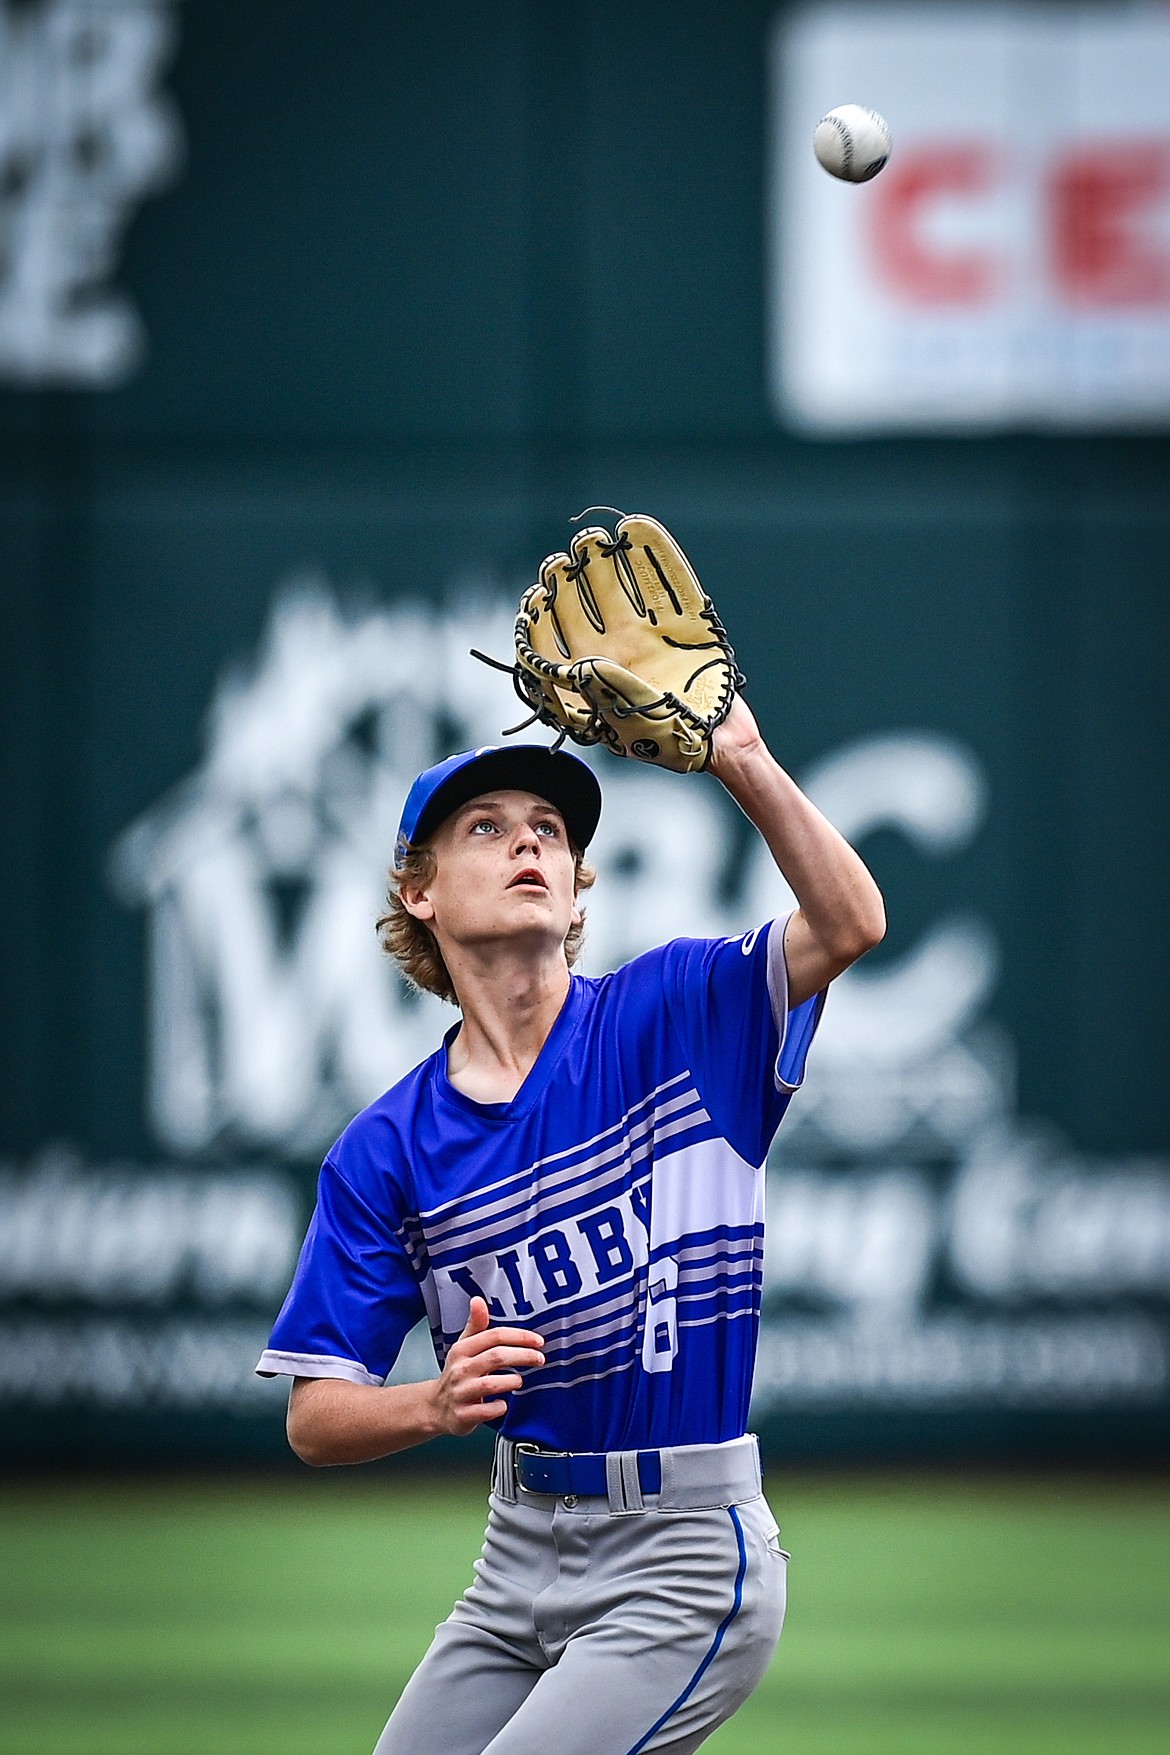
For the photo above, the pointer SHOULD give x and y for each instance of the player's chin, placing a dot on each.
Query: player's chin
(536, 910)
(518, 893)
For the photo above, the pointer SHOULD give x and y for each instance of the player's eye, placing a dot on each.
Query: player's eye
(483, 826)
(549, 829)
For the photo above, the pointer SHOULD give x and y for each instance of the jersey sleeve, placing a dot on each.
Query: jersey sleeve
(354, 1296)
(728, 1000)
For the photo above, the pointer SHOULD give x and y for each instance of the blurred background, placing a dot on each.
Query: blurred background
(318, 322)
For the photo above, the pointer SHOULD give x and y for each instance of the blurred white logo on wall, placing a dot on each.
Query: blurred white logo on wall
(84, 135)
(273, 1014)
(1011, 264)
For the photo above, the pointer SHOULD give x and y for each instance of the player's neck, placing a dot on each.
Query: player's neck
(508, 1012)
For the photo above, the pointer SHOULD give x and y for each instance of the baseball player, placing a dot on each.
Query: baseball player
(570, 1191)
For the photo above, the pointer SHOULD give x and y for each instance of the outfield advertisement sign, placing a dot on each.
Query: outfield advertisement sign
(1011, 264)
(929, 1248)
(311, 342)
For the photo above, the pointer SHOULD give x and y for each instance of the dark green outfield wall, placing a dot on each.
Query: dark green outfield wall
(431, 280)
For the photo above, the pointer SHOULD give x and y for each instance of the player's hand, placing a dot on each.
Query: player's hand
(482, 1367)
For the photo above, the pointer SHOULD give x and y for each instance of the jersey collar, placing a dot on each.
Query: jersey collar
(534, 1085)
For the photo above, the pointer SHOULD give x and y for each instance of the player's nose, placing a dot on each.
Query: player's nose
(525, 839)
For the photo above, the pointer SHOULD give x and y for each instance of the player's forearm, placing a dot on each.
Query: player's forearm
(331, 1421)
(840, 904)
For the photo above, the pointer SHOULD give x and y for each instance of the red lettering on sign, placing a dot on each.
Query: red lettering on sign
(915, 269)
(1099, 198)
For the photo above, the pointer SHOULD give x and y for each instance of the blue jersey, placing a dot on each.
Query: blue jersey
(615, 1205)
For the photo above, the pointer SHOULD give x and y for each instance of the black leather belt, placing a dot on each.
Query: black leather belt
(579, 1474)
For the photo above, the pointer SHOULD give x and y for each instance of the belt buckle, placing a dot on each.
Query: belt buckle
(536, 1450)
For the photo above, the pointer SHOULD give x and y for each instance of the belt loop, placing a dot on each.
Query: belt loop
(504, 1471)
(623, 1484)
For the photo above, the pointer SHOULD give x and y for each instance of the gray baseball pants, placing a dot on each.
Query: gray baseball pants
(605, 1626)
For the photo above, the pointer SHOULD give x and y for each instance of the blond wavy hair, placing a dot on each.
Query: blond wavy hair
(414, 946)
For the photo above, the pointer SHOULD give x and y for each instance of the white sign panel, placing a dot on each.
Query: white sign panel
(1011, 264)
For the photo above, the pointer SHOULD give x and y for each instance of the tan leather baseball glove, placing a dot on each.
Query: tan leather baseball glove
(618, 643)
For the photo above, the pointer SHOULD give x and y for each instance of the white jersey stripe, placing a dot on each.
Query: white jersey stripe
(719, 1316)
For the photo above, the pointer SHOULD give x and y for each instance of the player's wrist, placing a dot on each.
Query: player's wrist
(430, 1411)
(737, 748)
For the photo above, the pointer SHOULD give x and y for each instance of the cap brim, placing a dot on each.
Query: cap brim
(564, 780)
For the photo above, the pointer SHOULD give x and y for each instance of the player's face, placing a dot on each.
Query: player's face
(504, 870)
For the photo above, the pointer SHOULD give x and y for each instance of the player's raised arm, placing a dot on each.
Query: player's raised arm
(618, 643)
(333, 1421)
(840, 914)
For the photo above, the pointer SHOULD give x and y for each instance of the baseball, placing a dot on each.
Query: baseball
(852, 143)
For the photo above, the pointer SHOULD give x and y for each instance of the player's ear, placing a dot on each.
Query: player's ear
(416, 901)
(415, 881)
(414, 892)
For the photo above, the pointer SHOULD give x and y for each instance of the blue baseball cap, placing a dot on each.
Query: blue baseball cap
(521, 767)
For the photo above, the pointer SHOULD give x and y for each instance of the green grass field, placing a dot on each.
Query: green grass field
(281, 1618)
